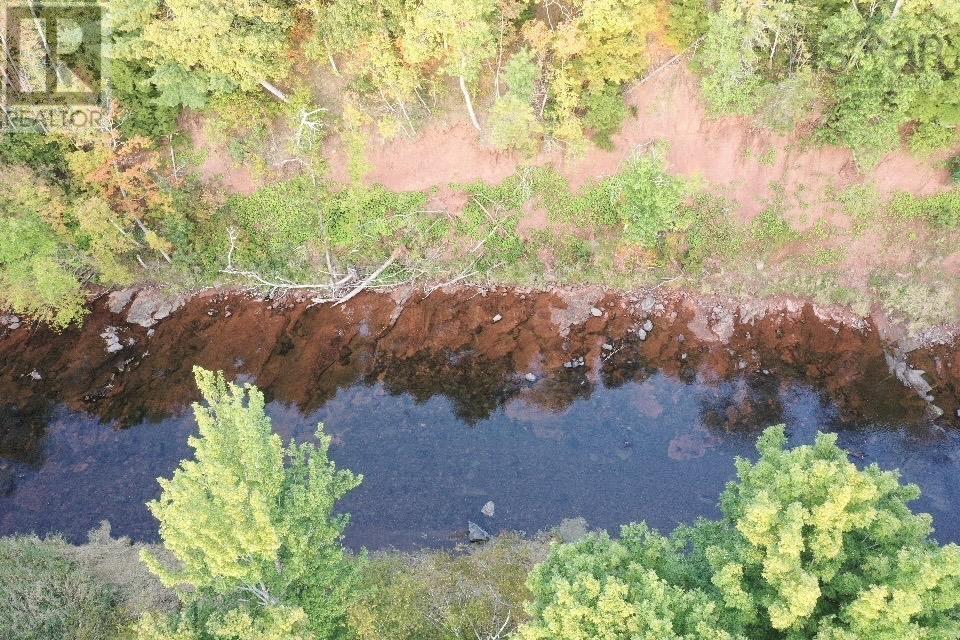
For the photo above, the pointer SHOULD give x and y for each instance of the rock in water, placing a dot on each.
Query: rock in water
(488, 509)
(476, 532)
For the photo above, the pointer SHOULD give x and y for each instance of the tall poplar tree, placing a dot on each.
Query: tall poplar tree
(246, 528)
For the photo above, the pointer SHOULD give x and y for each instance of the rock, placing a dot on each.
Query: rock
(35, 375)
(596, 313)
(475, 532)
(642, 334)
(150, 306)
(571, 529)
(497, 318)
(488, 509)
(647, 304)
(110, 336)
(118, 300)
(683, 356)
(648, 326)
(607, 346)
(10, 321)
(530, 377)
(912, 378)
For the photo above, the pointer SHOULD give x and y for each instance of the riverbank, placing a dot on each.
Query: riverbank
(288, 342)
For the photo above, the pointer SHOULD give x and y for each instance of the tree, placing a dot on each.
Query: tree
(809, 546)
(885, 63)
(246, 528)
(197, 47)
(597, 46)
(366, 36)
(457, 36)
(39, 272)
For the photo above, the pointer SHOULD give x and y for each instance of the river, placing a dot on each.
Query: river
(549, 407)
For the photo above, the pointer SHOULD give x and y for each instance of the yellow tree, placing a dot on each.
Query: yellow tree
(455, 36)
(244, 525)
(200, 46)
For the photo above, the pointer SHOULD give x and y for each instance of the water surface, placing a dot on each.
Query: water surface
(630, 436)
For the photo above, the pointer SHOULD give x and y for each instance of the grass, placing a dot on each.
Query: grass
(45, 595)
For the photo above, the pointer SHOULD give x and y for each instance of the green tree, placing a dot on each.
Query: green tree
(245, 527)
(455, 35)
(197, 47)
(39, 270)
(597, 47)
(366, 36)
(809, 547)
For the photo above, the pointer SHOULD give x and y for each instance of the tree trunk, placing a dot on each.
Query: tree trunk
(466, 98)
(280, 95)
(896, 9)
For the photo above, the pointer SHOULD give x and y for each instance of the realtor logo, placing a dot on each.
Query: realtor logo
(54, 73)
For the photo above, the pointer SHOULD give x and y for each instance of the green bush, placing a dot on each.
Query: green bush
(514, 125)
(520, 75)
(771, 230)
(275, 224)
(439, 595)
(44, 595)
(954, 166)
(38, 271)
(941, 210)
(605, 115)
(140, 112)
(689, 20)
(44, 154)
(808, 546)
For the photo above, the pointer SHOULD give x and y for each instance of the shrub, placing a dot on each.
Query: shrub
(440, 595)
(771, 230)
(275, 224)
(808, 546)
(941, 210)
(520, 75)
(44, 595)
(954, 166)
(606, 112)
(38, 271)
(514, 125)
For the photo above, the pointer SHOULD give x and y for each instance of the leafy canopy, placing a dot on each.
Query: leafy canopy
(809, 546)
(243, 525)
(198, 47)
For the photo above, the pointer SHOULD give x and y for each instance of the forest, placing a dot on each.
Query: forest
(278, 81)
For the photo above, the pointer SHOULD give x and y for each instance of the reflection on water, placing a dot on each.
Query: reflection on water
(654, 447)
(433, 402)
